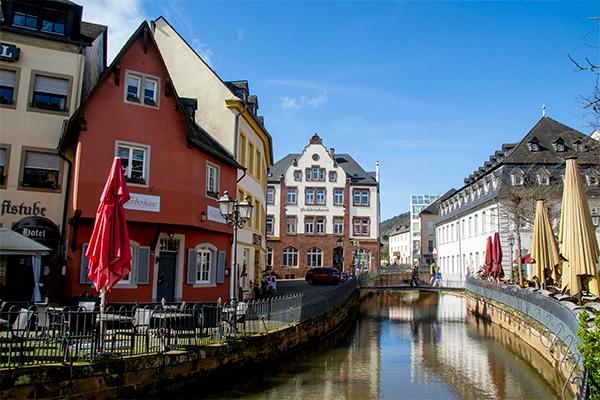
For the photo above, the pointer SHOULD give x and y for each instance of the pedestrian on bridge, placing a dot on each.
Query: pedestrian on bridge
(415, 275)
(437, 277)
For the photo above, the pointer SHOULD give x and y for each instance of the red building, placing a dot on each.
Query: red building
(175, 171)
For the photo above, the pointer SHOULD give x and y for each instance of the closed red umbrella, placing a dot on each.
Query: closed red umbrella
(109, 251)
(497, 271)
(488, 256)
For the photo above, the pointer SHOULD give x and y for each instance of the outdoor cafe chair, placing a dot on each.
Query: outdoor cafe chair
(140, 327)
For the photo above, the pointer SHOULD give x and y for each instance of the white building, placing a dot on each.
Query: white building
(418, 203)
(521, 173)
(400, 247)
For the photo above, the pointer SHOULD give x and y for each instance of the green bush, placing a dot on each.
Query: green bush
(591, 349)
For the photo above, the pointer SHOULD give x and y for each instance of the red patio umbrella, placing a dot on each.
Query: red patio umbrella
(488, 256)
(497, 271)
(109, 251)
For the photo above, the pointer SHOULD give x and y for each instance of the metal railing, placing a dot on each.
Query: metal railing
(41, 334)
(552, 316)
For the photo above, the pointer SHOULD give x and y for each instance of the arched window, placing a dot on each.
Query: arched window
(290, 258)
(313, 258)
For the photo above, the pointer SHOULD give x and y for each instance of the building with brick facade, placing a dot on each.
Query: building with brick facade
(314, 199)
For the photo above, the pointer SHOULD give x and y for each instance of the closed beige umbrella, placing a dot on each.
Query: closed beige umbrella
(579, 246)
(544, 249)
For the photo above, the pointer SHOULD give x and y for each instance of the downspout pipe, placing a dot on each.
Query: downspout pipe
(63, 234)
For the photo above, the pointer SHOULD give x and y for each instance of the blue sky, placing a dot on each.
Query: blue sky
(430, 89)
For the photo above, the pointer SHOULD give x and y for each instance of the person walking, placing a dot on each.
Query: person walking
(415, 275)
(438, 277)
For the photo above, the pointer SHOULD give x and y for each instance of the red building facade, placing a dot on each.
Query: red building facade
(175, 172)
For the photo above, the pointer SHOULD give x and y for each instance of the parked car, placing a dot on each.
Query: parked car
(317, 276)
(345, 277)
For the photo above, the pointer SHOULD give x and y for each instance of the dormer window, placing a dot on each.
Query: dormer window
(543, 177)
(518, 177)
(534, 144)
(54, 21)
(26, 15)
(559, 145)
(579, 146)
(593, 178)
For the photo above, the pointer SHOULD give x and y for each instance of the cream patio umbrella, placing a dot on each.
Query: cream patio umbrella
(577, 237)
(544, 249)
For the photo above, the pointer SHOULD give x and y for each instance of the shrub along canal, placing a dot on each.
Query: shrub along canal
(404, 345)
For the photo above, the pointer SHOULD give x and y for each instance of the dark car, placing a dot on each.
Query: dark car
(317, 276)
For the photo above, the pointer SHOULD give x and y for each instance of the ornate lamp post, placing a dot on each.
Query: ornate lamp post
(340, 255)
(356, 244)
(511, 243)
(236, 215)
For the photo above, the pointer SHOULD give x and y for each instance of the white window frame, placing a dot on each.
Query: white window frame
(309, 226)
(290, 225)
(66, 93)
(270, 195)
(309, 196)
(214, 185)
(338, 194)
(320, 226)
(127, 170)
(150, 102)
(338, 226)
(203, 265)
(289, 254)
(292, 196)
(212, 267)
(321, 196)
(314, 258)
(269, 225)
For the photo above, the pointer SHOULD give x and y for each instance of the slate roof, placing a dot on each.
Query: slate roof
(512, 156)
(92, 31)
(434, 207)
(353, 170)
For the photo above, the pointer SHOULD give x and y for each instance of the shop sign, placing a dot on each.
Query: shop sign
(9, 52)
(314, 209)
(22, 209)
(213, 214)
(38, 229)
(143, 202)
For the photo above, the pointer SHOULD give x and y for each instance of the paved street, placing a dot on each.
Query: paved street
(293, 286)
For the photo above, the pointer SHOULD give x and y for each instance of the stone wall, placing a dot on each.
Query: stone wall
(148, 376)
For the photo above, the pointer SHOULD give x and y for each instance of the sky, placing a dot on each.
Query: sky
(429, 89)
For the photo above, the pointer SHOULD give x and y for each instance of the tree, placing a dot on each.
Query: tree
(590, 103)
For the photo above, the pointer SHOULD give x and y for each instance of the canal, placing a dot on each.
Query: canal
(404, 345)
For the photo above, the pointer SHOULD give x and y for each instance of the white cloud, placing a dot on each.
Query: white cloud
(316, 101)
(240, 34)
(290, 105)
(203, 51)
(121, 17)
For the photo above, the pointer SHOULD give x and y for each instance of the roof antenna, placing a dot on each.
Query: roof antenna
(543, 110)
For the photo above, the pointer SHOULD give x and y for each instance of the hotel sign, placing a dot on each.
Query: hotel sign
(9, 52)
(143, 202)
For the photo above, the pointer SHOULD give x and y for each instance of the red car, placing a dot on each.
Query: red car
(316, 276)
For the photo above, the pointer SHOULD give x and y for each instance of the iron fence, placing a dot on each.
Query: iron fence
(553, 315)
(42, 334)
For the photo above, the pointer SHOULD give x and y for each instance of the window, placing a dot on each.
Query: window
(258, 164)
(320, 226)
(9, 85)
(361, 197)
(212, 180)
(41, 169)
(54, 21)
(4, 157)
(298, 175)
(483, 222)
(309, 175)
(26, 15)
(321, 174)
(338, 196)
(250, 158)
(269, 258)
(203, 266)
(310, 196)
(313, 258)
(270, 193)
(332, 176)
(593, 178)
(476, 225)
(430, 227)
(50, 93)
(134, 161)
(290, 258)
(338, 226)
(136, 82)
(361, 226)
(309, 226)
(517, 177)
(320, 196)
(290, 225)
(291, 196)
(430, 246)
(269, 225)
(242, 149)
(315, 173)
(257, 211)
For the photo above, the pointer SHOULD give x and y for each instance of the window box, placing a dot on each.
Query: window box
(149, 102)
(212, 194)
(131, 97)
(48, 106)
(135, 179)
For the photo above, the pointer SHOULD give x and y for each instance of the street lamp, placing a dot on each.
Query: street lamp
(356, 244)
(511, 243)
(595, 218)
(339, 258)
(236, 215)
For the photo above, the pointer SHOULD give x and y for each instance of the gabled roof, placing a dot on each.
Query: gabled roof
(353, 170)
(197, 136)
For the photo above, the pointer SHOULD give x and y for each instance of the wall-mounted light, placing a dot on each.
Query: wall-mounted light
(202, 216)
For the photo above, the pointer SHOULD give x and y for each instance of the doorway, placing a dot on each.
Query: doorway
(167, 266)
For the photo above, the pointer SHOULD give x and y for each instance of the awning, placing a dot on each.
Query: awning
(526, 259)
(13, 243)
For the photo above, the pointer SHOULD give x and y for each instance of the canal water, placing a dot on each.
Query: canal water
(406, 345)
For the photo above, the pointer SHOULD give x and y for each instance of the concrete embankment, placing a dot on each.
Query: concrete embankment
(529, 339)
(149, 376)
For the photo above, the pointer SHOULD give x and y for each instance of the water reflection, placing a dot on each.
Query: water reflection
(406, 345)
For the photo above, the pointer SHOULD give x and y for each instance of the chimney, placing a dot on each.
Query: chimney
(331, 153)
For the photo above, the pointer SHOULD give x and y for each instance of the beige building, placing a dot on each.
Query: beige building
(399, 242)
(228, 112)
(47, 53)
